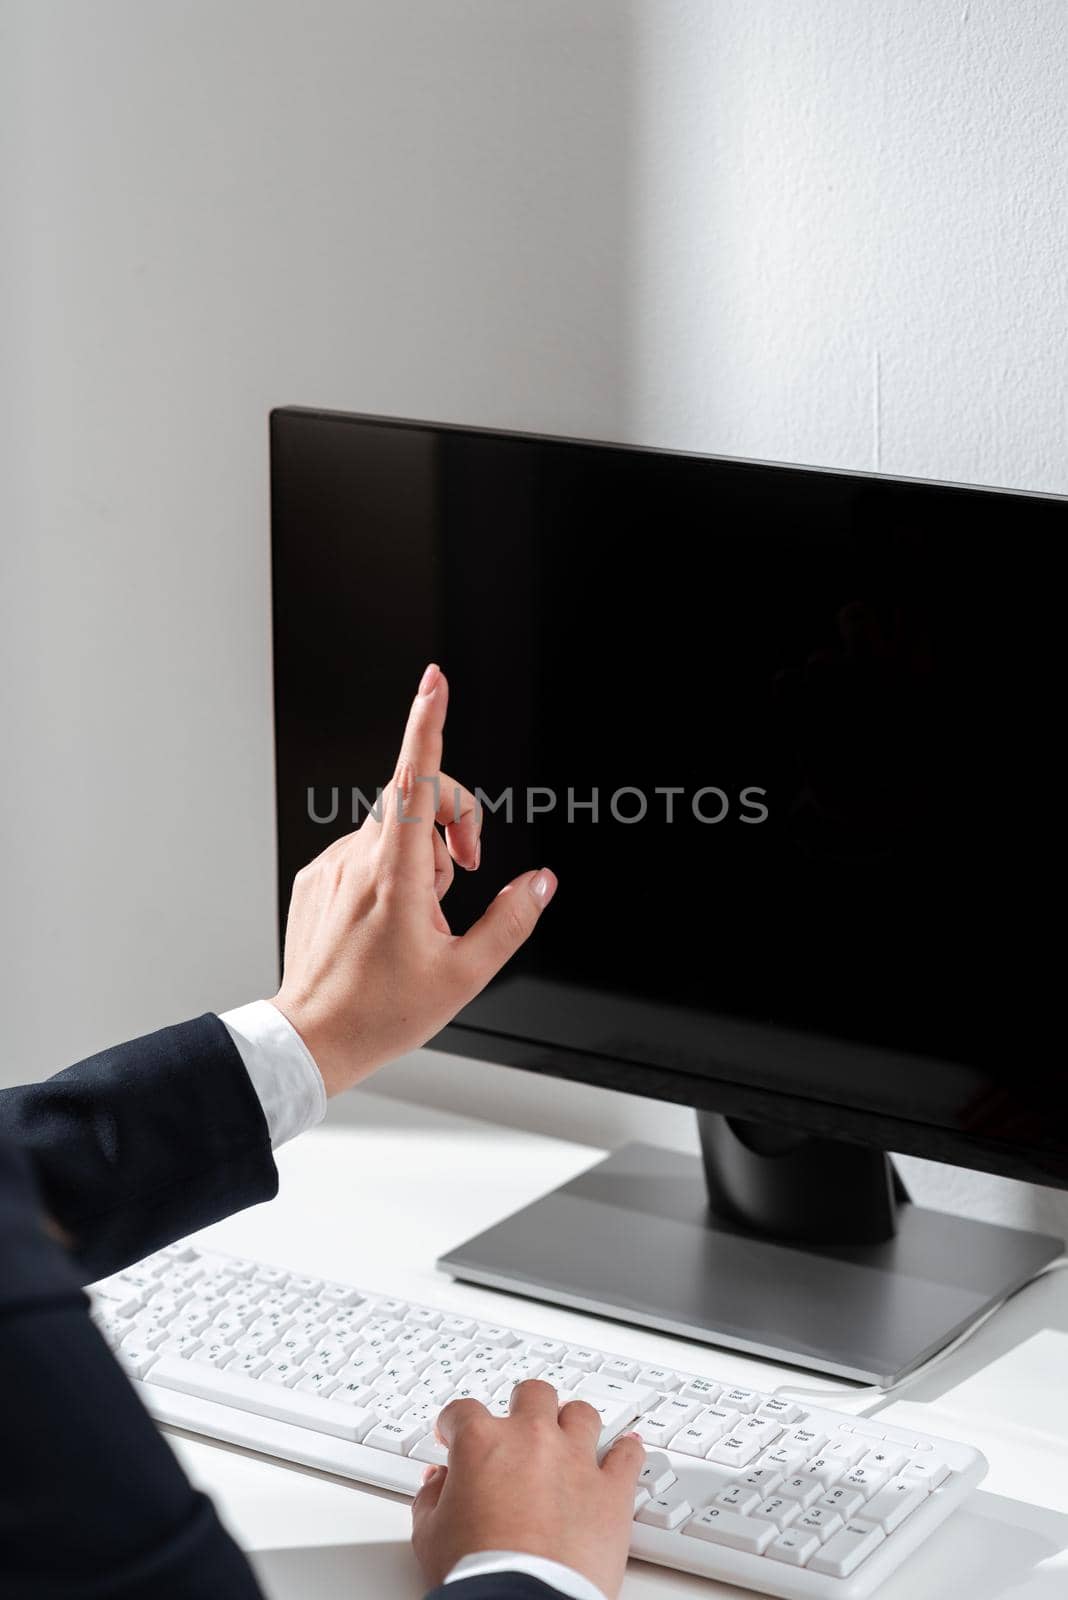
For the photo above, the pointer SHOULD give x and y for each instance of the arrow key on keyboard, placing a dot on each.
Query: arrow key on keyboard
(664, 1512)
(656, 1475)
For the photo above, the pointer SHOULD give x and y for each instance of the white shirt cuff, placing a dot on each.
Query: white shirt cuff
(564, 1579)
(281, 1067)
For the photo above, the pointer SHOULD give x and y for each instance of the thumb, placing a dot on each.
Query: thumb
(426, 1500)
(623, 1462)
(505, 925)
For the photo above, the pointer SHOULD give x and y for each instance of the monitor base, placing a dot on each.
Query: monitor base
(633, 1239)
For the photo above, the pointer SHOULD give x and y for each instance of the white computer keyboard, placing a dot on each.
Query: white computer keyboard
(738, 1485)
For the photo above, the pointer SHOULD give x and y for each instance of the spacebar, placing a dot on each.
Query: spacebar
(265, 1399)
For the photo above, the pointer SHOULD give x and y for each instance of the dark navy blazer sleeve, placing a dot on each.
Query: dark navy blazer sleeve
(144, 1143)
(127, 1151)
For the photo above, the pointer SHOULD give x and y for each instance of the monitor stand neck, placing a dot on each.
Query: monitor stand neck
(777, 1181)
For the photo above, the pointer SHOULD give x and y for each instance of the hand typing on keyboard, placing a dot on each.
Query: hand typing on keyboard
(372, 968)
(529, 1482)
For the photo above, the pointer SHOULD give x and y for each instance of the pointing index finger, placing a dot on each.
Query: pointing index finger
(414, 793)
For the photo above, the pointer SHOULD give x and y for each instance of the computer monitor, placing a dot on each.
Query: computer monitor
(788, 738)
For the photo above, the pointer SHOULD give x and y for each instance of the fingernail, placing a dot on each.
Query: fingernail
(428, 682)
(543, 886)
(478, 854)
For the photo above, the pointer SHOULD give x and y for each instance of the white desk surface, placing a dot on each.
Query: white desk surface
(383, 1188)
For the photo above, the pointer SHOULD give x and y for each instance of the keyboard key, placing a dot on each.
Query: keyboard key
(274, 1277)
(664, 1512)
(429, 1448)
(304, 1286)
(765, 1433)
(660, 1379)
(656, 1475)
(179, 1344)
(843, 1553)
(340, 1294)
(898, 1500)
(864, 1479)
(826, 1470)
(801, 1487)
(930, 1472)
(694, 1440)
(677, 1410)
(396, 1437)
(820, 1520)
(362, 1367)
(619, 1367)
(703, 1390)
(119, 1298)
(640, 1497)
(783, 1411)
(283, 1373)
(786, 1458)
(452, 1347)
(486, 1355)
(846, 1448)
(793, 1548)
(213, 1353)
(392, 1407)
(739, 1497)
(522, 1368)
(327, 1357)
(501, 1338)
(137, 1356)
(548, 1350)
(614, 1414)
(437, 1388)
(561, 1377)
(720, 1526)
(735, 1450)
(469, 1391)
(464, 1326)
(304, 1409)
(745, 1400)
(764, 1479)
(251, 1365)
(640, 1396)
(886, 1459)
(777, 1511)
(716, 1419)
(810, 1441)
(356, 1394)
(844, 1500)
(655, 1431)
(585, 1360)
(320, 1383)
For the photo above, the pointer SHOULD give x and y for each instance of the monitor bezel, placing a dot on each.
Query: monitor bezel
(929, 1140)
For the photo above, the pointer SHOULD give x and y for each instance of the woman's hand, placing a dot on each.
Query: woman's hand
(528, 1483)
(371, 966)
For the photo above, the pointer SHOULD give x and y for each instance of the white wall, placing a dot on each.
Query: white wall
(831, 233)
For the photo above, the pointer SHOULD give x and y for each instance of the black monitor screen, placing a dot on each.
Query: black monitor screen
(786, 737)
